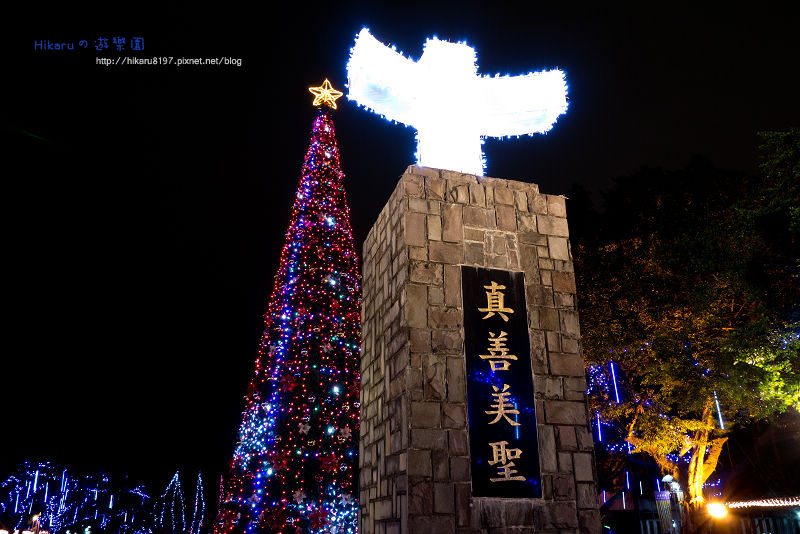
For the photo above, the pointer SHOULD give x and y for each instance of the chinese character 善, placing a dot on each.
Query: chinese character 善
(498, 352)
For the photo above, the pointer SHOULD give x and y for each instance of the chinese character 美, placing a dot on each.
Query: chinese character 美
(495, 302)
(137, 43)
(119, 42)
(503, 456)
(100, 43)
(502, 404)
(498, 352)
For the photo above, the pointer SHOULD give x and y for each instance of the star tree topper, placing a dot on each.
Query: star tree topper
(325, 94)
(448, 103)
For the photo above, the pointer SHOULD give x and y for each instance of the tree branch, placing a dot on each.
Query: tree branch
(710, 463)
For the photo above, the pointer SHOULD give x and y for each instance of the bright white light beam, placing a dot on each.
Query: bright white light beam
(448, 103)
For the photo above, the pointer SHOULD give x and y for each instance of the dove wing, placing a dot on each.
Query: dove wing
(382, 80)
(520, 105)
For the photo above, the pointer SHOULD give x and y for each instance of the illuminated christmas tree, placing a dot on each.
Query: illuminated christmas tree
(172, 507)
(293, 470)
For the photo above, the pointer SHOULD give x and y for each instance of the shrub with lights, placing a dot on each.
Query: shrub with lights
(49, 497)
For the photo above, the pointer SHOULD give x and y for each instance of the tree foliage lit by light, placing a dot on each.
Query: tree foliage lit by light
(686, 293)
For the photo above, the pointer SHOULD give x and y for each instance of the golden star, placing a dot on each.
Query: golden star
(325, 94)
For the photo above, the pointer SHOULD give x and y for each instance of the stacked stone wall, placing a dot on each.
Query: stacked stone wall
(414, 448)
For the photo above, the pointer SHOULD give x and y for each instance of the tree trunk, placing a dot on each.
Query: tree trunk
(703, 464)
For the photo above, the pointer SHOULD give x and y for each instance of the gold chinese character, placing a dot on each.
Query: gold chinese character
(498, 352)
(502, 405)
(502, 455)
(495, 302)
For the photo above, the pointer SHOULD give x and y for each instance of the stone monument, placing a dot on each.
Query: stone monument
(451, 439)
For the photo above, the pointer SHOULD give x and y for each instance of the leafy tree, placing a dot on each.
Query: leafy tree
(770, 218)
(679, 289)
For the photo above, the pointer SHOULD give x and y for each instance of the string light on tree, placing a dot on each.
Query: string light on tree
(199, 514)
(172, 506)
(293, 468)
(64, 501)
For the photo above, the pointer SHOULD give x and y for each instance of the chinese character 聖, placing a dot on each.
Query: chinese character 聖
(504, 456)
(502, 405)
(498, 352)
(495, 302)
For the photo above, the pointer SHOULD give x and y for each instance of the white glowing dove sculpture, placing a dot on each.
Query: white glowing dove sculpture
(448, 103)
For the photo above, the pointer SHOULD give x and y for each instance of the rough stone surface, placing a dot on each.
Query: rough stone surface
(566, 364)
(414, 442)
(565, 412)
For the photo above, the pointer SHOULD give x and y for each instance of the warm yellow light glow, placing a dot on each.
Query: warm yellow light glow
(325, 94)
(717, 510)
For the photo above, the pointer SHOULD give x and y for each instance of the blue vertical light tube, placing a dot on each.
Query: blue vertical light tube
(719, 411)
(599, 431)
(614, 377)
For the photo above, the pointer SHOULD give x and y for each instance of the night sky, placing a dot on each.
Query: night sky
(145, 206)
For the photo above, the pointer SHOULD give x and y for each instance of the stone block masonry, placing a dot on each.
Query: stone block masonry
(414, 447)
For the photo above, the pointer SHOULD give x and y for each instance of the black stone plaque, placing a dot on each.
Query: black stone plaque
(504, 449)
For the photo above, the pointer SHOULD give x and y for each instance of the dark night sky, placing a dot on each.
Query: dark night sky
(145, 206)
